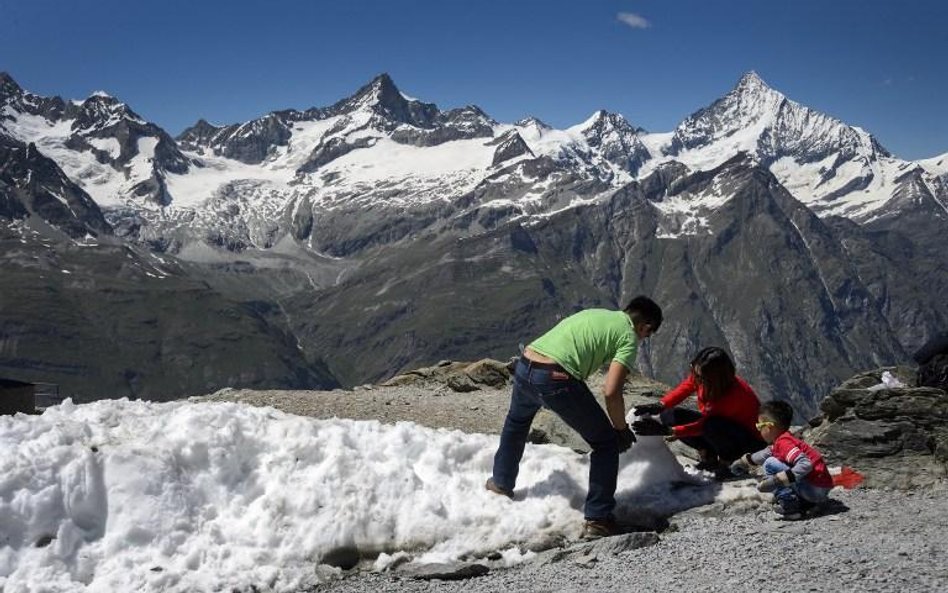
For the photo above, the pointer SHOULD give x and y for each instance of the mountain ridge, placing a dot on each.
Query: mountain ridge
(375, 229)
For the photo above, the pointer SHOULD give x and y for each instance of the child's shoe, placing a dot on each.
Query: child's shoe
(788, 507)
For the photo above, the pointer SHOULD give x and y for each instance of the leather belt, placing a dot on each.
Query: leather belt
(548, 366)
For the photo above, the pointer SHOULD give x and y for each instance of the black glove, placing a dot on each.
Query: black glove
(625, 438)
(650, 427)
(650, 409)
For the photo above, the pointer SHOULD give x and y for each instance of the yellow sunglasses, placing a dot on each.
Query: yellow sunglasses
(764, 424)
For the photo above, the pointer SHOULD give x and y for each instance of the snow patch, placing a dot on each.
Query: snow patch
(183, 496)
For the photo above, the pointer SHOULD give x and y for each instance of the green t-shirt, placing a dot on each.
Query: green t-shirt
(587, 340)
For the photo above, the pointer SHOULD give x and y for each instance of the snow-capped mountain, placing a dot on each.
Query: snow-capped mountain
(380, 153)
(100, 143)
(384, 213)
(834, 168)
(32, 184)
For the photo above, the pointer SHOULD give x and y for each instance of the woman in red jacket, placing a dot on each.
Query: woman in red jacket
(724, 428)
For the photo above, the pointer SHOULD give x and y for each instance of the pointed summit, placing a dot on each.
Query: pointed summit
(381, 90)
(102, 95)
(764, 123)
(535, 122)
(8, 86)
(6, 79)
(615, 139)
(604, 122)
(752, 82)
(197, 135)
(383, 98)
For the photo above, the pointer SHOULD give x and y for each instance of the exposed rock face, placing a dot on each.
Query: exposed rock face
(101, 126)
(248, 143)
(102, 320)
(897, 438)
(617, 140)
(737, 282)
(31, 184)
(510, 146)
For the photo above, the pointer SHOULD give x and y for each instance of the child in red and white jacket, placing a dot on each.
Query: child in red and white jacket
(795, 471)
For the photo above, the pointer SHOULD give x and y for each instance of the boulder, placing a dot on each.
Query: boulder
(457, 376)
(895, 437)
(492, 373)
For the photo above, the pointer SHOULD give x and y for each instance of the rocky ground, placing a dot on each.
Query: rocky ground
(885, 541)
(872, 539)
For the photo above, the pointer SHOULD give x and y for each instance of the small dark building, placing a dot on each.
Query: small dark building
(17, 396)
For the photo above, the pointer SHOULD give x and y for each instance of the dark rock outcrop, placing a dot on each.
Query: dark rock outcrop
(30, 183)
(896, 438)
(510, 146)
(458, 376)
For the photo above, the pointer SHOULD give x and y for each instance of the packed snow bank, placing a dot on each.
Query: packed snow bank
(123, 496)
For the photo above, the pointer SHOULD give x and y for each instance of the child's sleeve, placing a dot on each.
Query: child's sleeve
(800, 464)
(761, 456)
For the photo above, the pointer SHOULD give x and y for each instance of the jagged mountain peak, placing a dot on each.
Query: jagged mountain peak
(749, 100)
(615, 139)
(102, 110)
(198, 133)
(380, 91)
(754, 117)
(8, 85)
(203, 124)
(603, 121)
(535, 122)
(751, 82)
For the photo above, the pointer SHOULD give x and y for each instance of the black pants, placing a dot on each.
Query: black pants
(720, 437)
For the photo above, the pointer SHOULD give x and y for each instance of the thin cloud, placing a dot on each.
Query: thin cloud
(633, 20)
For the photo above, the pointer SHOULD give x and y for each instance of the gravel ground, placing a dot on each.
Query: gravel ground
(434, 406)
(885, 541)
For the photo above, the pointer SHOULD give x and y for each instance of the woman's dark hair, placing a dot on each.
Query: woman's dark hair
(644, 309)
(716, 369)
(780, 412)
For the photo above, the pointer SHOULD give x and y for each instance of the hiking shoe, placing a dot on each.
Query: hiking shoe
(788, 506)
(597, 528)
(806, 506)
(789, 516)
(493, 487)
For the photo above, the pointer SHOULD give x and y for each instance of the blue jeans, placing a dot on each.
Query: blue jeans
(788, 495)
(571, 400)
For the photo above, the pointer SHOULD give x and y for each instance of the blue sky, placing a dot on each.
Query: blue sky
(872, 63)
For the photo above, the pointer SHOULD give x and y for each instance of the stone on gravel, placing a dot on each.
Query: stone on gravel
(443, 571)
(587, 552)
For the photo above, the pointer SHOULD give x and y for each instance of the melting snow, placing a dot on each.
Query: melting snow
(181, 496)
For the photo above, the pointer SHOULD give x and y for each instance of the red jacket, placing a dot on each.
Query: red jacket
(788, 448)
(739, 404)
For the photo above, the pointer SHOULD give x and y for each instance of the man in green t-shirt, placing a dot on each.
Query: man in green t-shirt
(551, 373)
